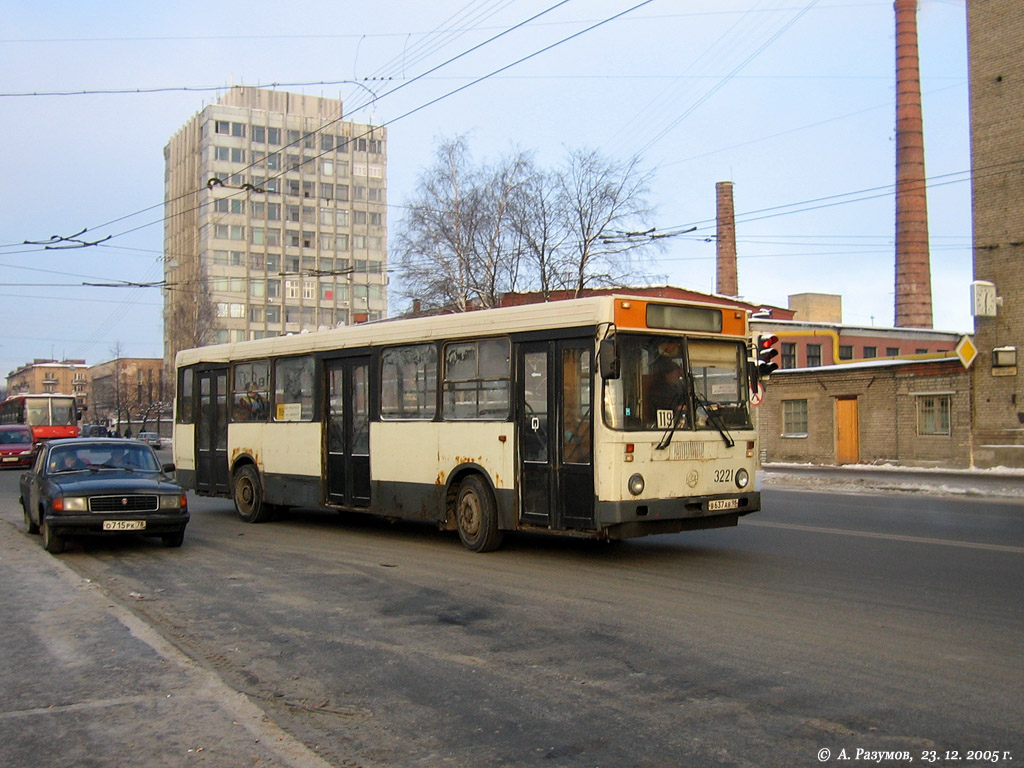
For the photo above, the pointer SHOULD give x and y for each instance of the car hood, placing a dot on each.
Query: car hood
(15, 447)
(114, 481)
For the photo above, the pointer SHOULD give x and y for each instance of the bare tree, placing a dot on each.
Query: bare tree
(434, 248)
(538, 223)
(604, 203)
(474, 233)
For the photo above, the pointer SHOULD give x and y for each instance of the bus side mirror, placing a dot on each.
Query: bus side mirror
(608, 359)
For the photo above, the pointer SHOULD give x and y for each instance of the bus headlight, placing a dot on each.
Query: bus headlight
(742, 478)
(636, 484)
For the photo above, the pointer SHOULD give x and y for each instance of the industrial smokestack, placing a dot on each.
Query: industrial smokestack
(913, 267)
(725, 274)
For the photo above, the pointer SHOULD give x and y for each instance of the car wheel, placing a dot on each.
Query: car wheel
(476, 516)
(173, 539)
(248, 496)
(52, 541)
(30, 525)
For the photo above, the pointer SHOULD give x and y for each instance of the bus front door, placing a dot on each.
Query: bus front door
(556, 471)
(212, 432)
(348, 431)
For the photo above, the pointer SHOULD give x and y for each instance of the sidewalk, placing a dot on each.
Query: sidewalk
(86, 682)
(858, 478)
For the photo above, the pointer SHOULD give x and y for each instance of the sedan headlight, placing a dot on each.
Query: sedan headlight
(742, 478)
(71, 503)
(172, 502)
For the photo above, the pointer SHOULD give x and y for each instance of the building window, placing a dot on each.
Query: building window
(813, 355)
(933, 415)
(846, 351)
(221, 153)
(222, 127)
(273, 135)
(892, 351)
(259, 134)
(237, 155)
(788, 355)
(794, 418)
(870, 352)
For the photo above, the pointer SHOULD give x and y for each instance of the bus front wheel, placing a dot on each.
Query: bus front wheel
(477, 516)
(248, 496)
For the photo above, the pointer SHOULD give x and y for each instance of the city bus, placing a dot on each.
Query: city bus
(608, 417)
(49, 415)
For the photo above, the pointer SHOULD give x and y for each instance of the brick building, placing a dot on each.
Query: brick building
(995, 30)
(916, 413)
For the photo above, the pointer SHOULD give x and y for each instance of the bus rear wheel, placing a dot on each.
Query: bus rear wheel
(247, 491)
(476, 516)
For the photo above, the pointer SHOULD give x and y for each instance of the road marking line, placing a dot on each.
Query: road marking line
(889, 536)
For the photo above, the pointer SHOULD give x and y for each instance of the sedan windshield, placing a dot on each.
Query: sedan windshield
(15, 436)
(102, 456)
(678, 383)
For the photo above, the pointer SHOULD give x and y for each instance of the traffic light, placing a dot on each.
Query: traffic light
(765, 353)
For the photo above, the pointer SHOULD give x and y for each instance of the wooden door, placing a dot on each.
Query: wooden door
(847, 431)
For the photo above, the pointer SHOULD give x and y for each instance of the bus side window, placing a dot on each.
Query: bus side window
(185, 395)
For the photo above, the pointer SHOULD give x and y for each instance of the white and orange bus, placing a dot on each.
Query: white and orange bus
(608, 417)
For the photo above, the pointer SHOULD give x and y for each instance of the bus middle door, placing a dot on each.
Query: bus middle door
(348, 431)
(556, 473)
(212, 432)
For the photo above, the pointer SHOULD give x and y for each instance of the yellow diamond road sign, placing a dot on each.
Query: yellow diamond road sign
(966, 351)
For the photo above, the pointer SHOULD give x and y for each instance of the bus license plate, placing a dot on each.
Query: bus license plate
(124, 525)
(716, 505)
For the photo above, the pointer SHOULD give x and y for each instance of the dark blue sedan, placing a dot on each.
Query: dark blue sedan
(101, 487)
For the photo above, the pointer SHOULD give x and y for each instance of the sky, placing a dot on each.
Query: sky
(791, 100)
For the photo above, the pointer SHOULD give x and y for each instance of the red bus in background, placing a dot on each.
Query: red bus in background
(49, 415)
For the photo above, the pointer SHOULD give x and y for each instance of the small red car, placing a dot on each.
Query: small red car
(15, 445)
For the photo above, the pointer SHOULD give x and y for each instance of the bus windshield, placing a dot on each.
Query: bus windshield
(686, 383)
(63, 412)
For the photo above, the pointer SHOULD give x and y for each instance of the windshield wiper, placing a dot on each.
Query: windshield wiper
(712, 416)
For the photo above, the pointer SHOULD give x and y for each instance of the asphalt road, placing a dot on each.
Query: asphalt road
(826, 622)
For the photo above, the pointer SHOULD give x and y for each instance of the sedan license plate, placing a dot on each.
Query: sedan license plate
(716, 505)
(124, 525)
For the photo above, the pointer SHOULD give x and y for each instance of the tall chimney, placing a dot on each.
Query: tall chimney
(725, 273)
(913, 268)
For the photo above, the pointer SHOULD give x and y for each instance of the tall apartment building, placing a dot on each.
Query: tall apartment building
(275, 220)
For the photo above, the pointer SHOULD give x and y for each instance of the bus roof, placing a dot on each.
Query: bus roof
(571, 313)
